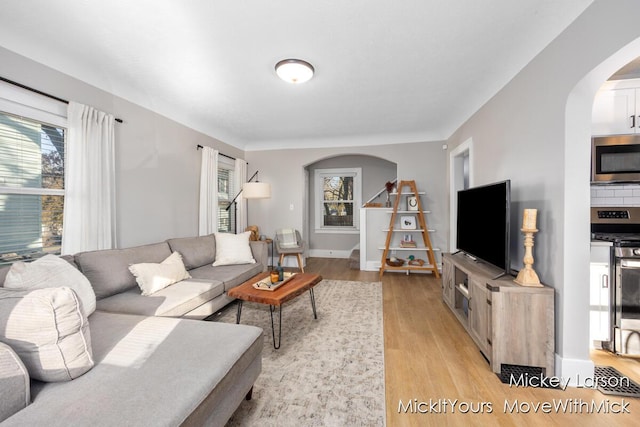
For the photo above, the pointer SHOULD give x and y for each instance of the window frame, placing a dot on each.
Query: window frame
(26, 105)
(319, 175)
(227, 164)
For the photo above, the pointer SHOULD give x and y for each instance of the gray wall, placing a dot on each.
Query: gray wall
(536, 132)
(423, 162)
(375, 172)
(157, 164)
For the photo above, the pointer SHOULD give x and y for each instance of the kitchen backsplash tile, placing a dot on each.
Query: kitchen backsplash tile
(615, 195)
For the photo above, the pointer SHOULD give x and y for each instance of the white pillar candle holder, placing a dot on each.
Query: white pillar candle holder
(527, 276)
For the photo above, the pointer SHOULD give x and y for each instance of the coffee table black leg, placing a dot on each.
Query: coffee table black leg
(273, 330)
(239, 313)
(313, 303)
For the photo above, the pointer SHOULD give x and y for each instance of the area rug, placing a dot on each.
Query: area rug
(327, 372)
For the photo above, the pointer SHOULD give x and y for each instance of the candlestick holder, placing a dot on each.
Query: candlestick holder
(527, 276)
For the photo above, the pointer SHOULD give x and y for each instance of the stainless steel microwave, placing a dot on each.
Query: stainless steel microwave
(615, 159)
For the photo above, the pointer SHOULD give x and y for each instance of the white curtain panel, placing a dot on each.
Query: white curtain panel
(240, 177)
(89, 203)
(208, 216)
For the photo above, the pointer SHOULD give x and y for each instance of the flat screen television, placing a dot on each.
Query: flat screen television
(483, 223)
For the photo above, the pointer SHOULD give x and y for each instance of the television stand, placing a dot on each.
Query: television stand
(477, 261)
(510, 324)
(500, 275)
(471, 257)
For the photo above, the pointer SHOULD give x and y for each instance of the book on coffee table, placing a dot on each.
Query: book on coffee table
(266, 285)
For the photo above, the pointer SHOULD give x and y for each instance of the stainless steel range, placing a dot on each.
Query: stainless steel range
(621, 227)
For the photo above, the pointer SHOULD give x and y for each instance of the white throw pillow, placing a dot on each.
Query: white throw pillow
(152, 277)
(48, 331)
(233, 249)
(51, 271)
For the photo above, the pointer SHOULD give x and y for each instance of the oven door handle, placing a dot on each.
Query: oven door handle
(627, 263)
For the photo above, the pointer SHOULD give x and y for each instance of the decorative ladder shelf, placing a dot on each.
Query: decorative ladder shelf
(422, 229)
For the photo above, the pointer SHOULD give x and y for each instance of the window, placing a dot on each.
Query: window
(226, 193)
(337, 200)
(31, 188)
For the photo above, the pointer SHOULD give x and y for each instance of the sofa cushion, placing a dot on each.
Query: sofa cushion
(149, 371)
(230, 275)
(152, 277)
(14, 383)
(108, 270)
(233, 249)
(5, 269)
(51, 271)
(48, 330)
(173, 301)
(196, 251)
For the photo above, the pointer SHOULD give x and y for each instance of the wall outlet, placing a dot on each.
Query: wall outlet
(291, 206)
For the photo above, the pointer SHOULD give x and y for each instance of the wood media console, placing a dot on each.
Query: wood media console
(511, 324)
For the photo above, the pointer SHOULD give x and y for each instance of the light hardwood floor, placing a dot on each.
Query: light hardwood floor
(430, 357)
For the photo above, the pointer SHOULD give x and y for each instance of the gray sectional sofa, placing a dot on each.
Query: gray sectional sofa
(155, 364)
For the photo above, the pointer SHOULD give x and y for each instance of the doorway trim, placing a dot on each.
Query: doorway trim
(461, 167)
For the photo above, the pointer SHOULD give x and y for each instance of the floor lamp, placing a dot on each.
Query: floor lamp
(251, 190)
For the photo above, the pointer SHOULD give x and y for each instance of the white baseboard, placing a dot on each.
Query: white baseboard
(574, 371)
(328, 253)
(371, 266)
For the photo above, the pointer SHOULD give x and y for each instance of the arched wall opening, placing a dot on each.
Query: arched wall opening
(577, 160)
(375, 171)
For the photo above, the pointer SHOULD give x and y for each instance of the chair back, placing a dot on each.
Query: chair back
(288, 237)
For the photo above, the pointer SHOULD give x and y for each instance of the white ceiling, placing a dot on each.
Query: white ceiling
(387, 71)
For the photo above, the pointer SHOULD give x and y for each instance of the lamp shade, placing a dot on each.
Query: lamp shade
(256, 190)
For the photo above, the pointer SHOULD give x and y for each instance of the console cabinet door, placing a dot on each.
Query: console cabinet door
(480, 314)
(448, 275)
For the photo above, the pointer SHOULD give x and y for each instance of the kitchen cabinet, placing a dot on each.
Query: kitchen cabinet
(616, 108)
(599, 295)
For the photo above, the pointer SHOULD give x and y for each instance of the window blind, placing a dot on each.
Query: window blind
(226, 193)
(31, 188)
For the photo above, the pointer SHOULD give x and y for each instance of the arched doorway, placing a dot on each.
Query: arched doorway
(577, 157)
(327, 236)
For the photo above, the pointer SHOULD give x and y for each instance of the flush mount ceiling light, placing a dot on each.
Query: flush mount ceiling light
(294, 70)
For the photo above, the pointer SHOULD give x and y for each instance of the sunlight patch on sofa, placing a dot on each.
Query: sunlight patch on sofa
(139, 344)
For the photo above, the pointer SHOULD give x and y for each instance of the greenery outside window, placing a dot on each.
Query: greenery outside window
(32, 163)
(337, 195)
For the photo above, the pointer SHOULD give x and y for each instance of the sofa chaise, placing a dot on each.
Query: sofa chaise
(153, 363)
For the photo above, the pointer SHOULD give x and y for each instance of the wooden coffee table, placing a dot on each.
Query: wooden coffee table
(299, 284)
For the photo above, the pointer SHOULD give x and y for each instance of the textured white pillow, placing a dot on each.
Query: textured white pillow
(51, 271)
(152, 277)
(48, 331)
(233, 249)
